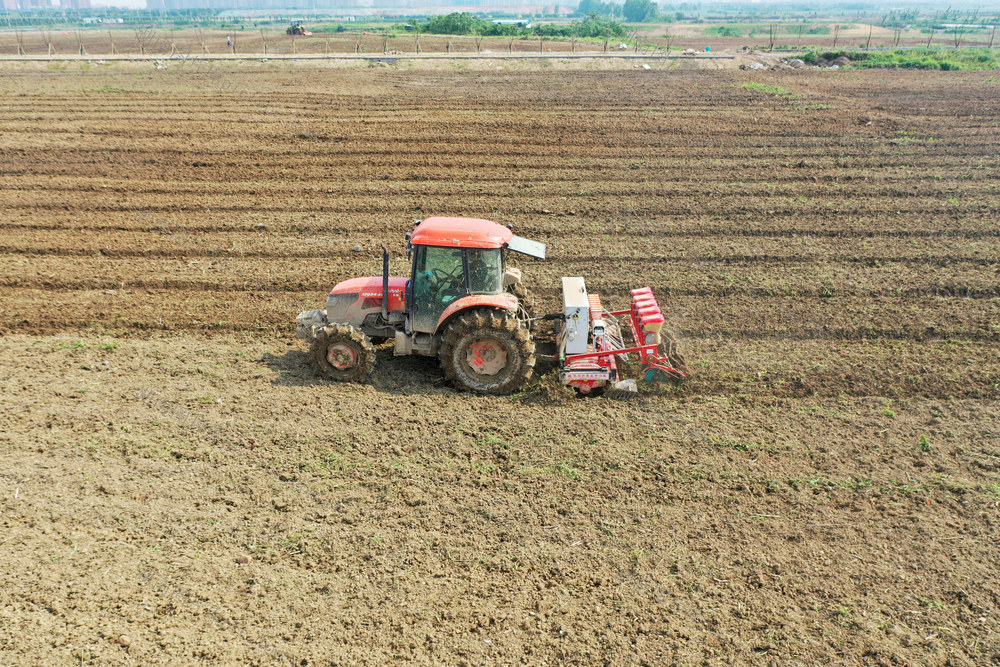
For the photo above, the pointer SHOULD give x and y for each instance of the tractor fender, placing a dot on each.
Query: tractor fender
(503, 301)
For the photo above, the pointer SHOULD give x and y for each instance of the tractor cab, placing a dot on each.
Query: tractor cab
(459, 263)
(441, 276)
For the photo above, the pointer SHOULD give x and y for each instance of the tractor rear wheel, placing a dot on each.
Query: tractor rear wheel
(343, 353)
(487, 352)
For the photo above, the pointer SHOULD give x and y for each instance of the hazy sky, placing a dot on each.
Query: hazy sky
(924, 5)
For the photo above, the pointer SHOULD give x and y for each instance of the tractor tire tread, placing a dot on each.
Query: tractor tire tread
(346, 333)
(504, 327)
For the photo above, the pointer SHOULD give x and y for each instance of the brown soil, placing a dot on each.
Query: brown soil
(178, 485)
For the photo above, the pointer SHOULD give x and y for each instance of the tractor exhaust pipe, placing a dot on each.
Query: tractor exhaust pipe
(385, 283)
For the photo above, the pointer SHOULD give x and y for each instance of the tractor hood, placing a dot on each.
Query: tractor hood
(368, 287)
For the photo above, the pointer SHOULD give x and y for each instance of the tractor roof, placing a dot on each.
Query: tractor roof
(461, 233)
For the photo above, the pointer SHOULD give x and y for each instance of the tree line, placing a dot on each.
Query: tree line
(460, 23)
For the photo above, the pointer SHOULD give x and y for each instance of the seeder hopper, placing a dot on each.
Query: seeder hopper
(590, 340)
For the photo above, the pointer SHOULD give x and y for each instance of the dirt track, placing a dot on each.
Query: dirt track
(139, 40)
(177, 484)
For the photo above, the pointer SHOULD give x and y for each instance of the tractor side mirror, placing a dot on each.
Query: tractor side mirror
(409, 247)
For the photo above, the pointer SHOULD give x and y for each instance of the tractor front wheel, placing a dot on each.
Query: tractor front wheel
(487, 352)
(343, 353)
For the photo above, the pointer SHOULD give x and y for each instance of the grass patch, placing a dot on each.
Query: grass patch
(941, 59)
(729, 443)
(566, 469)
(768, 89)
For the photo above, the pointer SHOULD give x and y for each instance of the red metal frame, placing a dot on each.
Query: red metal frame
(648, 353)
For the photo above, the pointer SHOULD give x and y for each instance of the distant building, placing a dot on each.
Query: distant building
(30, 5)
(377, 7)
(26, 5)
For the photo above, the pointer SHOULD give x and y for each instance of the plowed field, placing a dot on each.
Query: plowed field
(177, 485)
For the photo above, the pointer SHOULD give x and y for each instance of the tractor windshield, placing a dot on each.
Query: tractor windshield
(442, 275)
(485, 271)
(438, 279)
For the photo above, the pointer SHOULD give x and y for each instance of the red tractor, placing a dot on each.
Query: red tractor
(462, 303)
(296, 28)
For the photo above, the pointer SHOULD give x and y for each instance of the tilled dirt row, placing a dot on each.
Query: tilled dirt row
(662, 247)
(738, 316)
(712, 276)
(185, 225)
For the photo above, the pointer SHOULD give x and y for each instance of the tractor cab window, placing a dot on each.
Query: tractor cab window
(485, 271)
(438, 279)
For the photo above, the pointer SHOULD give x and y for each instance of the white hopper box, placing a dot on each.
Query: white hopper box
(576, 308)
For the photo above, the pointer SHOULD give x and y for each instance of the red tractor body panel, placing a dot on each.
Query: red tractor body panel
(360, 297)
(503, 301)
(368, 288)
(461, 233)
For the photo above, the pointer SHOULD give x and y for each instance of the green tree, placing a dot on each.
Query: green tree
(456, 23)
(591, 6)
(638, 11)
(596, 25)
